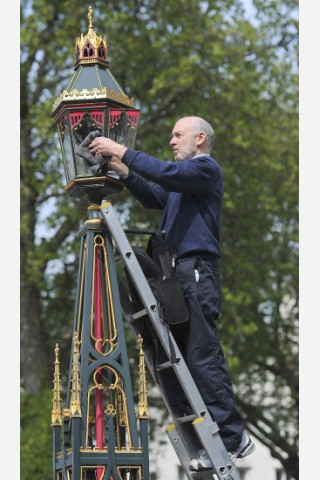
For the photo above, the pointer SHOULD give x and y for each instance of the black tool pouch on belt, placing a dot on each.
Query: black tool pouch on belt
(168, 291)
(157, 266)
(172, 305)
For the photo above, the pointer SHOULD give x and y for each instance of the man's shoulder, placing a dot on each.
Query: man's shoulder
(209, 159)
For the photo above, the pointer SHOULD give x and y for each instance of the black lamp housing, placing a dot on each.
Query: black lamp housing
(93, 101)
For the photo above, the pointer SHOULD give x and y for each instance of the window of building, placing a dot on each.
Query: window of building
(242, 473)
(181, 474)
(282, 475)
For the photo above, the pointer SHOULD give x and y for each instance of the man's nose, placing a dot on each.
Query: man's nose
(172, 141)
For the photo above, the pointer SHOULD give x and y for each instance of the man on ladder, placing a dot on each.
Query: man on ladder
(190, 193)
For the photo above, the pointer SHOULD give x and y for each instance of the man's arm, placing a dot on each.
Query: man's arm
(193, 176)
(149, 196)
(197, 175)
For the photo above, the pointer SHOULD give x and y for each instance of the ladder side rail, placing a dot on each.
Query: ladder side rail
(212, 441)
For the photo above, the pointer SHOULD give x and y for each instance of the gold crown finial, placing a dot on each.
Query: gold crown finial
(91, 48)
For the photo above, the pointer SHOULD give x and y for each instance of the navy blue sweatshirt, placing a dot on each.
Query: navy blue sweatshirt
(190, 192)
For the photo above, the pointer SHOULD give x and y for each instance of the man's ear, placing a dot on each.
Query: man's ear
(201, 138)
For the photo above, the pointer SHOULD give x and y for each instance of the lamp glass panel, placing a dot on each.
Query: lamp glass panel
(123, 126)
(84, 122)
(66, 147)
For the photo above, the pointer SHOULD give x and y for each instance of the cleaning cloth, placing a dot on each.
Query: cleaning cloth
(96, 161)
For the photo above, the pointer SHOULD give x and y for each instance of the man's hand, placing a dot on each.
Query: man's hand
(109, 148)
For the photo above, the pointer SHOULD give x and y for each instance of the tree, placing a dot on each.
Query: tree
(181, 58)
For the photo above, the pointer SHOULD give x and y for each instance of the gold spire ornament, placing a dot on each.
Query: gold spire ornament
(143, 402)
(75, 400)
(56, 419)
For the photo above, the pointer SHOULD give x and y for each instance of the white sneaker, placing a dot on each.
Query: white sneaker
(203, 462)
(245, 448)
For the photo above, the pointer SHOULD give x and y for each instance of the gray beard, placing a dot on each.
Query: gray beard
(185, 155)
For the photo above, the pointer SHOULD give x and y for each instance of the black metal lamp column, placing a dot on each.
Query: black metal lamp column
(97, 435)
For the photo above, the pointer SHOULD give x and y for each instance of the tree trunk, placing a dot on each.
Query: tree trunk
(34, 366)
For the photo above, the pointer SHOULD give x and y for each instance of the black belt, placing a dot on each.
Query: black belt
(212, 259)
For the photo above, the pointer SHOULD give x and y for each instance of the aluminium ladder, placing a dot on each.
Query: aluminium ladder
(187, 433)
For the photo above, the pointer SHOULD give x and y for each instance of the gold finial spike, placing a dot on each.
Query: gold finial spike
(90, 17)
(143, 401)
(75, 403)
(56, 419)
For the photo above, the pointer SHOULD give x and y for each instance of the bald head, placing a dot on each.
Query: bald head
(191, 136)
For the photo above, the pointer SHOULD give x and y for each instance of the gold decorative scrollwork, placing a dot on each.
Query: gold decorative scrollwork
(110, 410)
(104, 93)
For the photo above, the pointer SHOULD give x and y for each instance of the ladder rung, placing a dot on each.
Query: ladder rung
(187, 418)
(137, 315)
(164, 366)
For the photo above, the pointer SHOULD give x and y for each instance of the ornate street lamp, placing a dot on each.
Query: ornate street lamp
(97, 435)
(92, 102)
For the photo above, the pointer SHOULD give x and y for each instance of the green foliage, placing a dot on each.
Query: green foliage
(178, 58)
(36, 436)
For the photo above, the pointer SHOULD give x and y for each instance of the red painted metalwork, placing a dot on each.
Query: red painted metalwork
(76, 117)
(98, 337)
(133, 116)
